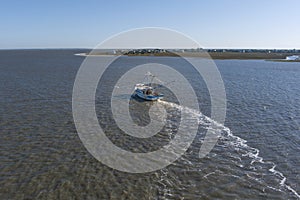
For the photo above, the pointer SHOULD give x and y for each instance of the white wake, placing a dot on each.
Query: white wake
(236, 141)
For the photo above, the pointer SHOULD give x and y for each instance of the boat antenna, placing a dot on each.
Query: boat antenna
(150, 77)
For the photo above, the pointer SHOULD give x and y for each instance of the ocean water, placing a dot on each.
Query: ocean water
(42, 157)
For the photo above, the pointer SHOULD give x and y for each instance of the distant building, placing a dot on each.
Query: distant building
(294, 57)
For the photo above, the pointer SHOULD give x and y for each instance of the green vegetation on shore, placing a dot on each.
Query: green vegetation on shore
(275, 55)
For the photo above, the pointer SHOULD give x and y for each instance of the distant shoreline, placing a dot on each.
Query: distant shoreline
(279, 57)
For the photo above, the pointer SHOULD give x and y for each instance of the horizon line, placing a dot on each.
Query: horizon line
(89, 48)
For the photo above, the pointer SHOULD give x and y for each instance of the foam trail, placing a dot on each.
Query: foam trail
(253, 153)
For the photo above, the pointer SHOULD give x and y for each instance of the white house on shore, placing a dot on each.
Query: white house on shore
(293, 57)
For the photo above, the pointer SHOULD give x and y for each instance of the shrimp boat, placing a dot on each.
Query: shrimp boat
(146, 91)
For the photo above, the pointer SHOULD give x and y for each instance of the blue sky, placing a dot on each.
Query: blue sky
(213, 23)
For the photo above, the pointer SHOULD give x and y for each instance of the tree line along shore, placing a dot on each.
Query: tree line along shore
(260, 54)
